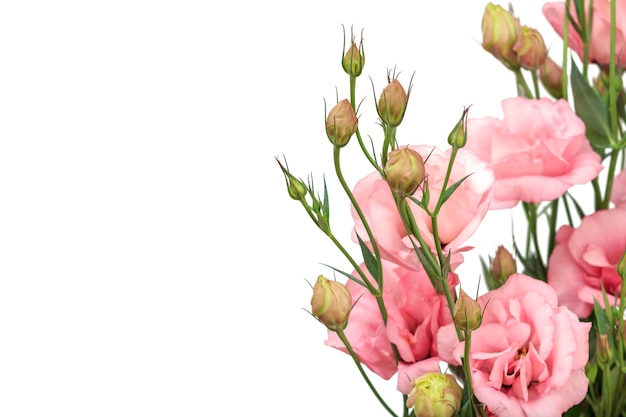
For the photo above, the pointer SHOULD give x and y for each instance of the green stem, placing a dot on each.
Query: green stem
(468, 373)
(359, 212)
(554, 207)
(566, 25)
(521, 83)
(345, 341)
(609, 179)
(531, 217)
(369, 157)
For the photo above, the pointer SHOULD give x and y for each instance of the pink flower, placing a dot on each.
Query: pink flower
(459, 216)
(415, 314)
(585, 259)
(537, 152)
(599, 51)
(618, 193)
(528, 356)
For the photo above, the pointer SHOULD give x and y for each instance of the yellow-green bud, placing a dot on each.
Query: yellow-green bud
(500, 32)
(551, 76)
(354, 60)
(404, 170)
(296, 188)
(467, 312)
(503, 265)
(392, 104)
(331, 303)
(530, 49)
(435, 395)
(458, 135)
(621, 267)
(341, 123)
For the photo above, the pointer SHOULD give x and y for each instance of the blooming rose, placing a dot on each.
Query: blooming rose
(415, 312)
(618, 193)
(599, 51)
(528, 356)
(537, 152)
(457, 221)
(585, 259)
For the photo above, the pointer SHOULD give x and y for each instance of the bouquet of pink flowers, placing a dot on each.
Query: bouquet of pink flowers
(547, 337)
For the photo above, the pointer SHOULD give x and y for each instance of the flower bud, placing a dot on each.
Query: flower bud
(354, 60)
(467, 312)
(404, 170)
(530, 49)
(458, 136)
(621, 267)
(503, 265)
(603, 349)
(501, 31)
(435, 395)
(392, 104)
(331, 303)
(296, 188)
(550, 74)
(341, 123)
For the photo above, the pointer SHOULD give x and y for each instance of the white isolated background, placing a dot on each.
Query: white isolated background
(151, 262)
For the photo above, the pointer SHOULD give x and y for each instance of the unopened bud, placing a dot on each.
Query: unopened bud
(354, 60)
(551, 76)
(341, 123)
(296, 188)
(503, 265)
(501, 31)
(621, 267)
(392, 103)
(435, 395)
(458, 136)
(331, 303)
(530, 49)
(467, 312)
(604, 351)
(404, 170)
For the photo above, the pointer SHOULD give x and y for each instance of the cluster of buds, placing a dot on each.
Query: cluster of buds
(509, 41)
(435, 395)
(331, 303)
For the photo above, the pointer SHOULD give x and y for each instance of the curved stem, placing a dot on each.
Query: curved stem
(346, 343)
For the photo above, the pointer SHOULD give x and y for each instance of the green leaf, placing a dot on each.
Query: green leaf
(601, 318)
(345, 274)
(591, 109)
(448, 193)
(370, 261)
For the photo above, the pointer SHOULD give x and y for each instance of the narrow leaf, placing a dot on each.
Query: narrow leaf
(370, 261)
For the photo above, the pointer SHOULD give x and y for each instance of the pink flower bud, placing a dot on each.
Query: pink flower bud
(404, 170)
(530, 49)
(550, 74)
(501, 31)
(354, 60)
(341, 123)
(503, 265)
(392, 103)
(331, 303)
(435, 395)
(467, 312)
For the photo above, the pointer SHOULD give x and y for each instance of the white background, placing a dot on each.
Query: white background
(151, 262)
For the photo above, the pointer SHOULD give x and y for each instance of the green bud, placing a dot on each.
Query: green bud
(392, 103)
(296, 188)
(458, 135)
(404, 170)
(354, 60)
(467, 312)
(501, 31)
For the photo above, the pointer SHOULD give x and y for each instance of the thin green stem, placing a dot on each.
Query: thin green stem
(365, 151)
(521, 83)
(552, 220)
(609, 179)
(468, 374)
(531, 217)
(346, 343)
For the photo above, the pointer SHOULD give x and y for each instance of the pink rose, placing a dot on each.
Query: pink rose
(585, 259)
(458, 219)
(528, 356)
(415, 312)
(599, 51)
(537, 152)
(618, 193)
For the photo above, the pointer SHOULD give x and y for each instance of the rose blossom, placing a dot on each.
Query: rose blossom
(599, 51)
(537, 151)
(458, 219)
(585, 259)
(528, 356)
(618, 193)
(415, 312)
